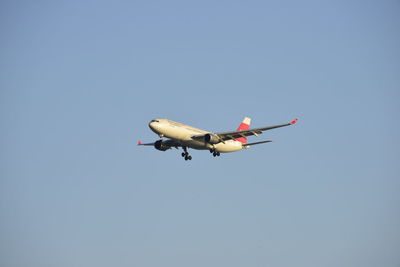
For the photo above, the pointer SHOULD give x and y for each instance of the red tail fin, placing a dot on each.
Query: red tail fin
(244, 126)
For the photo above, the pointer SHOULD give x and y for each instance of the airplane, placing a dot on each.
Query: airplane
(185, 136)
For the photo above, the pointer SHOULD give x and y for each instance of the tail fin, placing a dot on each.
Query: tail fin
(244, 126)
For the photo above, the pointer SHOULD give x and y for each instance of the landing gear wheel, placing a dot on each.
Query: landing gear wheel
(185, 154)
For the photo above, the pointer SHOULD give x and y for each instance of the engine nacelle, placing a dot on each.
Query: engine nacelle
(211, 138)
(160, 145)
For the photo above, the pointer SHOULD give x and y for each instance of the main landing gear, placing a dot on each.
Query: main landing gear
(185, 154)
(215, 153)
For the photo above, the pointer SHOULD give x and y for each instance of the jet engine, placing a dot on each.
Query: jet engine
(160, 145)
(211, 138)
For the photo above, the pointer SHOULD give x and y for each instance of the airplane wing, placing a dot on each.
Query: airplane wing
(166, 143)
(255, 131)
(224, 136)
(139, 143)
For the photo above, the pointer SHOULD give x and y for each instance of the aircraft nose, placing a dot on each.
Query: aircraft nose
(154, 125)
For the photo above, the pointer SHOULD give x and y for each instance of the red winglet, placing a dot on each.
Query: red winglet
(139, 142)
(293, 121)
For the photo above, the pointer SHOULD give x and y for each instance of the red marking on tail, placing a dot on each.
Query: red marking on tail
(242, 140)
(293, 121)
(243, 126)
(139, 142)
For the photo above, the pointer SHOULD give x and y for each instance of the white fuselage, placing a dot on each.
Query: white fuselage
(183, 134)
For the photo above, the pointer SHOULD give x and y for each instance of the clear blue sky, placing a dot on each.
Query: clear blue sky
(80, 80)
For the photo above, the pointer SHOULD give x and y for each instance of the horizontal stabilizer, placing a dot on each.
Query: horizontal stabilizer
(257, 143)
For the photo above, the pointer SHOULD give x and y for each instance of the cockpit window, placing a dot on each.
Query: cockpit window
(155, 121)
